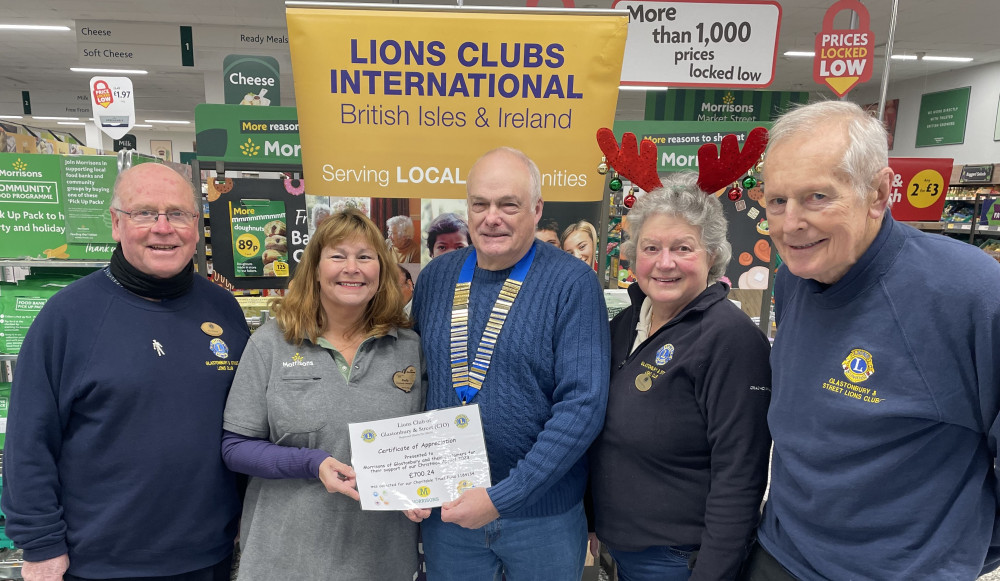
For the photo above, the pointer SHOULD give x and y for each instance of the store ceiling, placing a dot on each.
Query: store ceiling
(40, 61)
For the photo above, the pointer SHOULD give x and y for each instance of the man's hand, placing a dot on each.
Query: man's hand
(49, 570)
(595, 545)
(472, 510)
(339, 477)
(417, 514)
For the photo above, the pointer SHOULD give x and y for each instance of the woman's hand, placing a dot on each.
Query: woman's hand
(339, 477)
(595, 545)
(417, 514)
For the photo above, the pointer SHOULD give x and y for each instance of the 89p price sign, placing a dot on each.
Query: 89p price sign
(700, 43)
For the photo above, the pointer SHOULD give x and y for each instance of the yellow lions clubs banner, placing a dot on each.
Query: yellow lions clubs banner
(398, 103)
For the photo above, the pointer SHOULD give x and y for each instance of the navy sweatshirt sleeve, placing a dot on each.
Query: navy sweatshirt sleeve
(31, 493)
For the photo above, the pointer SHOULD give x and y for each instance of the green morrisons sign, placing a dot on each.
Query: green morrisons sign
(720, 105)
(234, 133)
(56, 206)
(251, 80)
(942, 117)
(677, 142)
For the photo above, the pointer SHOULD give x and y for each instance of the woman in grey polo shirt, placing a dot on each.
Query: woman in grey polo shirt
(338, 351)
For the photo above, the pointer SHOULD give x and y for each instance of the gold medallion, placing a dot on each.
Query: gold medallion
(211, 329)
(404, 379)
(643, 381)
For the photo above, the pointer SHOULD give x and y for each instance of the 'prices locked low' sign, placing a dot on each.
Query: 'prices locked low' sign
(844, 58)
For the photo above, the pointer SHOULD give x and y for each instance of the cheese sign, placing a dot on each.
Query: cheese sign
(844, 58)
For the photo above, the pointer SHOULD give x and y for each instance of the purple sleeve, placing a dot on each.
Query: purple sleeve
(260, 458)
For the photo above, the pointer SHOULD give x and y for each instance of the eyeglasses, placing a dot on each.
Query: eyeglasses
(177, 218)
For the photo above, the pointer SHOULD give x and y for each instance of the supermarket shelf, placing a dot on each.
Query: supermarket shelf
(8, 357)
(954, 227)
(30, 263)
(10, 570)
(927, 226)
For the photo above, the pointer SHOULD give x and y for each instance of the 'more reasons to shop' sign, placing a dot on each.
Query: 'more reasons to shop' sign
(919, 186)
(677, 142)
(692, 43)
(260, 135)
(405, 102)
(844, 58)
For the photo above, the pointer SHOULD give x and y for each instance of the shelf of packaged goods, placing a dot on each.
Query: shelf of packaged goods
(955, 227)
(927, 226)
(30, 263)
(10, 570)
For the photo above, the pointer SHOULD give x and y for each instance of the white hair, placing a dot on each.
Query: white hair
(867, 151)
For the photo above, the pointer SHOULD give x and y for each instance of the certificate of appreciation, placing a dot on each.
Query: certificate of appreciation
(419, 461)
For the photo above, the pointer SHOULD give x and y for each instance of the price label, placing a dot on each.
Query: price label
(925, 188)
(247, 245)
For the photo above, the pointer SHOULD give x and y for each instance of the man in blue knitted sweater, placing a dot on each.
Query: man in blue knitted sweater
(535, 349)
(886, 384)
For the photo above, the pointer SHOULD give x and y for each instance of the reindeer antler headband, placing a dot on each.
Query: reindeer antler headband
(715, 169)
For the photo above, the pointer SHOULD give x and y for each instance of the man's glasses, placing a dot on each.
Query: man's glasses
(177, 218)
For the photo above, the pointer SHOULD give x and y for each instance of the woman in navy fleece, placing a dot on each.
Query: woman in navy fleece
(679, 470)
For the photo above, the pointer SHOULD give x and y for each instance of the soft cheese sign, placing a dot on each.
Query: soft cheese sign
(844, 58)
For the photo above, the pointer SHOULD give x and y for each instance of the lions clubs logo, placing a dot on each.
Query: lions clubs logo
(858, 365)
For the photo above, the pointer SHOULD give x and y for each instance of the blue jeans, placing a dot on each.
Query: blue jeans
(654, 564)
(549, 548)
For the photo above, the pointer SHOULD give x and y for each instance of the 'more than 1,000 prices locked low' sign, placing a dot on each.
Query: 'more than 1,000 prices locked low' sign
(694, 43)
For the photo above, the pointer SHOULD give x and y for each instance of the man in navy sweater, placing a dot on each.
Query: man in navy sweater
(886, 383)
(112, 467)
(536, 360)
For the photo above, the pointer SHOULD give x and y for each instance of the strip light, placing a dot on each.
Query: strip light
(109, 71)
(33, 27)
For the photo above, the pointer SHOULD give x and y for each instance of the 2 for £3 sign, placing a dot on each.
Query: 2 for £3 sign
(844, 58)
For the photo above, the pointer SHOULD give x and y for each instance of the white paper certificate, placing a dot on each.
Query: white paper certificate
(419, 461)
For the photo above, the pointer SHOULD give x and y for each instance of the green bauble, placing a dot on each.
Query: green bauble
(615, 184)
(749, 182)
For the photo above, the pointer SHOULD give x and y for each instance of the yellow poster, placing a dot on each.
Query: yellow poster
(398, 103)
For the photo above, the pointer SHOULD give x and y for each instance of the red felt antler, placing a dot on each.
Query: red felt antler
(637, 163)
(716, 171)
